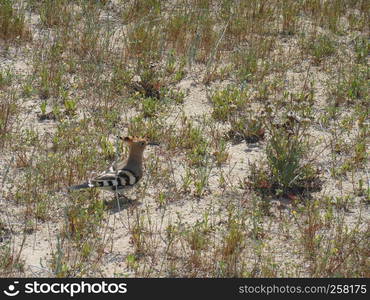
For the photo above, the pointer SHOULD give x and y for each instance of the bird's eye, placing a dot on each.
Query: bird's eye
(142, 143)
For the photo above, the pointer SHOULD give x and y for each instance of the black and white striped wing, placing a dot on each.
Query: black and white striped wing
(115, 180)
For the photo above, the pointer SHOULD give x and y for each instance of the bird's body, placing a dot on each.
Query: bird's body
(121, 175)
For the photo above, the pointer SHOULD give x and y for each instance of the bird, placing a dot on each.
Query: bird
(121, 175)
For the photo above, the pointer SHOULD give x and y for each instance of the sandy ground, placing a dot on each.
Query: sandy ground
(36, 246)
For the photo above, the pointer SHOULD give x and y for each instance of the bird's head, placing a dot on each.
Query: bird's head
(135, 142)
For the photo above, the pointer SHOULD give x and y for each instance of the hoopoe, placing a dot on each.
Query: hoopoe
(121, 175)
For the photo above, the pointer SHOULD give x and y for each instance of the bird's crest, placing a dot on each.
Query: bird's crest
(138, 140)
(133, 139)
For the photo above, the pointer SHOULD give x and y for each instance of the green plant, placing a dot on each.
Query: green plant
(201, 179)
(351, 86)
(108, 148)
(289, 11)
(70, 106)
(12, 23)
(319, 46)
(6, 78)
(248, 62)
(9, 261)
(221, 154)
(8, 110)
(81, 220)
(228, 101)
(246, 128)
(197, 238)
(53, 13)
(285, 154)
(231, 248)
(140, 8)
(144, 41)
(150, 107)
(286, 172)
(138, 235)
(362, 49)
(43, 106)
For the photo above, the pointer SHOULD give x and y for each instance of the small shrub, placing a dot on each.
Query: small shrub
(319, 47)
(12, 23)
(227, 102)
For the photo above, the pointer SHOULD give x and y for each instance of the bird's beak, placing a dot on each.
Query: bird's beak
(153, 144)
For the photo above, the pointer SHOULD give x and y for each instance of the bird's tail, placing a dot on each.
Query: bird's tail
(85, 185)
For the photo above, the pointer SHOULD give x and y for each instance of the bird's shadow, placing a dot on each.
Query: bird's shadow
(117, 204)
